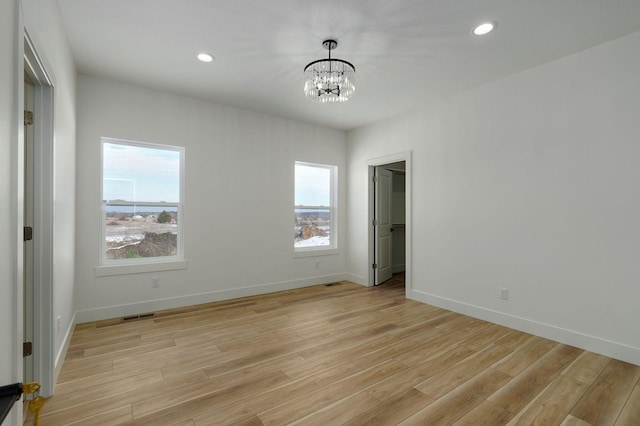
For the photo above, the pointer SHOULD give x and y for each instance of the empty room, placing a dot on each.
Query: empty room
(320, 212)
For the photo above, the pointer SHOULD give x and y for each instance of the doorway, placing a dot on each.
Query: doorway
(390, 220)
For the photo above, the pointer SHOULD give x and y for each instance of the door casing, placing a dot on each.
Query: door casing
(28, 221)
(41, 267)
(372, 163)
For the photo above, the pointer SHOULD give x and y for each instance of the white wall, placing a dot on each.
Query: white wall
(239, 198)
(529, 183)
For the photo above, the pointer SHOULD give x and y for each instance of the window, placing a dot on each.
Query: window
(315, 226)
(141, 202)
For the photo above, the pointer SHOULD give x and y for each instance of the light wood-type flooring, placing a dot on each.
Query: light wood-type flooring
(333, 355)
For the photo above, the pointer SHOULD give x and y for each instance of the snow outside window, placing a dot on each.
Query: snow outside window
(315, 226)
(141, 202)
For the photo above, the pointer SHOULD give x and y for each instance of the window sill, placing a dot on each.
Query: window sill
(316, 252)
(139, 268)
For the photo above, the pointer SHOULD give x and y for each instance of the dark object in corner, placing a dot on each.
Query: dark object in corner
(8, 396)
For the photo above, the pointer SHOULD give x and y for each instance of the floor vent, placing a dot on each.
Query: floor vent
(137, 317)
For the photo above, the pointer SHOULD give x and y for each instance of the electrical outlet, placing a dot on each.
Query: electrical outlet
(504, 293)
(155, 282)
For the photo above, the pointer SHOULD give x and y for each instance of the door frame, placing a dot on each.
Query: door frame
(28, 208)
(372, 163)
(42, 263)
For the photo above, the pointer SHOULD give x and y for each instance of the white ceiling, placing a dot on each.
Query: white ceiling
(406, 52)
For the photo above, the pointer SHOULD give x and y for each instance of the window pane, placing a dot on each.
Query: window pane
(136, 173)
(141, 231)
(313, 186)
(313, 227)
(141, 193)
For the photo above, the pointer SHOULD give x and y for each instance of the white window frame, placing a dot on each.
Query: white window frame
(332, 248)
(143, 264)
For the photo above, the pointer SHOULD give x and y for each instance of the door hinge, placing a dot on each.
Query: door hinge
(27, 349)
(374, 266)
(27, 233)
(28, 118)
(374, 222)
(375, 179)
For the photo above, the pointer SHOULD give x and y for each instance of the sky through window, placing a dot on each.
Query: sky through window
(313, 186)
(135, 173)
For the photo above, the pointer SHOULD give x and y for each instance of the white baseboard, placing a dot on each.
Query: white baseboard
(358, 279)
(569, 337)
(62, 353)
(118, 311)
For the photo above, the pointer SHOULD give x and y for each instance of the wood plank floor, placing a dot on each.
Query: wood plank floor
(333, 355)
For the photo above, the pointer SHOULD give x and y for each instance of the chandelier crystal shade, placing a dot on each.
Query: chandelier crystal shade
(329, 80)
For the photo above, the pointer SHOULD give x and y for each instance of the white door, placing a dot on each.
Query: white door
(382, 228)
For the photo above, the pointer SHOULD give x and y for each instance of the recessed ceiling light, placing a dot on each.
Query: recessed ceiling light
(204, 57)
(484, 28)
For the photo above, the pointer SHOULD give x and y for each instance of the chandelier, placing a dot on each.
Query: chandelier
(329, 80)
